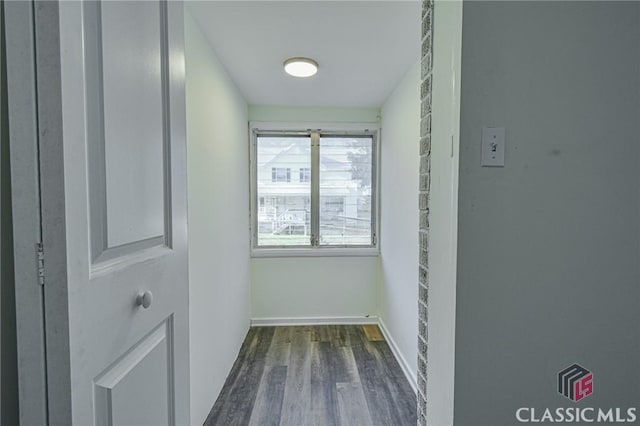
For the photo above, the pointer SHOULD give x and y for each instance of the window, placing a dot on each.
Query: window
(332, 204)
(285, 217)
(280, 174)
(305, 174)
(345, 190)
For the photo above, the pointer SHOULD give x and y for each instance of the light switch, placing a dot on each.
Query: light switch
(493, 147)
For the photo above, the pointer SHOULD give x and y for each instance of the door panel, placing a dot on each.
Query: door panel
(127, 91)
(142, 375)
(122, 202)
(133, 52)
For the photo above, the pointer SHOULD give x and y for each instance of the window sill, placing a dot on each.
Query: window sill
(315, 252)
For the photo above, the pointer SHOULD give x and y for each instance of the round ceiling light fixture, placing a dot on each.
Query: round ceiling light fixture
(300, 67)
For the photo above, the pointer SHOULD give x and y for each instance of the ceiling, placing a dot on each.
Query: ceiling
(364, 48)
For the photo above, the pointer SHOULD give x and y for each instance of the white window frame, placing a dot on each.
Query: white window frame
(307, 129)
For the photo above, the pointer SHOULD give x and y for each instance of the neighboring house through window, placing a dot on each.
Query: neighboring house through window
(332, 204)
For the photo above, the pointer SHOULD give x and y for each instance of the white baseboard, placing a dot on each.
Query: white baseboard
(264, 322)
(398, 355)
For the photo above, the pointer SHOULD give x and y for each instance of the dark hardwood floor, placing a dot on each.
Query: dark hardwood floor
(315, 375)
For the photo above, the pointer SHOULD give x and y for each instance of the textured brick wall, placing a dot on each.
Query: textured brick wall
(425, 169)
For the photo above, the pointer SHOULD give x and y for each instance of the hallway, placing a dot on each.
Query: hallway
(319, 212)
(315, 375)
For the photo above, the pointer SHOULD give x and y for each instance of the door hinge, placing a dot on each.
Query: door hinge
(40, 262)
(375, 239)
(451, 146)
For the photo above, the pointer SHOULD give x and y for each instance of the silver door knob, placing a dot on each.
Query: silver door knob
(144, 299)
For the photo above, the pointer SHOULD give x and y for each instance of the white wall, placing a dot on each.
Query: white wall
(549, 245)
(314, 287)
(273, 113)
(298, 287)
(400, 160)
(219, 273)
(443, 210)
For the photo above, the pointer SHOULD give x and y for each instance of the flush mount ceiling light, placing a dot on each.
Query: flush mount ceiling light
(300, 67)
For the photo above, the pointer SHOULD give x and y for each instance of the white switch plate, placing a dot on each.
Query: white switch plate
(493, 147)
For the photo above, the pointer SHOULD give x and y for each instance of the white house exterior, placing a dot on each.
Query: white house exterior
(284, 190)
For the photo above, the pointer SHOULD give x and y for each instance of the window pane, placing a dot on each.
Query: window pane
(305, 174)
(345, 190)
(284, 198)
(280, 174)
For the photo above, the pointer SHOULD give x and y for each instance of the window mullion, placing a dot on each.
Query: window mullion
(315, 189)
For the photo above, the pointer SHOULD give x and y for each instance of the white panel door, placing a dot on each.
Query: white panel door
(113, 185)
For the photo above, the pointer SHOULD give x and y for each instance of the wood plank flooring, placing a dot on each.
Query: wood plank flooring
(343, 375)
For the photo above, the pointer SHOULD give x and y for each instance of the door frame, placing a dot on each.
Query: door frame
(52, 208)
(27, 230)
